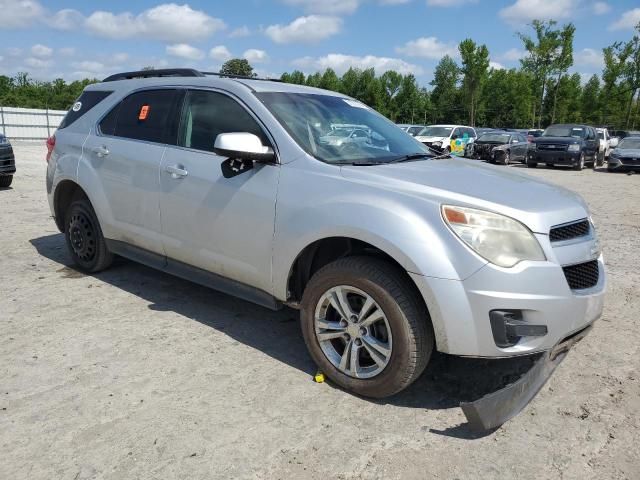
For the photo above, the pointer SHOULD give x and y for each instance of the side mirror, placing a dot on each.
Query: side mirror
(243, 146)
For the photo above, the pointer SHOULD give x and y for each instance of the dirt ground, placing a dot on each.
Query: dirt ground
(133, 373)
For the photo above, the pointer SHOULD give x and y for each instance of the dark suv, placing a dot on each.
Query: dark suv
(7, 162)
(565, 145)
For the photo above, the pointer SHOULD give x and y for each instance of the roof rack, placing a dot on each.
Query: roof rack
(178, 72)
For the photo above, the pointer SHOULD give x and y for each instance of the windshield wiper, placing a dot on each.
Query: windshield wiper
(410, 157)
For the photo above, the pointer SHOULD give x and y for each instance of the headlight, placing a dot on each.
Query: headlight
(501, 240)
(574, 147)
(533, 146)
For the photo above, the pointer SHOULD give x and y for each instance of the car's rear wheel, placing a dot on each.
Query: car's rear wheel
(5, 181)
(580, 164)
(84, 238)
(366, 326)
(507, 157)
(531, 164)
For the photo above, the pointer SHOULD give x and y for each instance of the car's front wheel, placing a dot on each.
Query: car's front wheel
(580, 164)
(5, 181)
(366, 326)
(84, 238)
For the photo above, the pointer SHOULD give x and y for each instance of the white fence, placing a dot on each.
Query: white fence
(29, 123)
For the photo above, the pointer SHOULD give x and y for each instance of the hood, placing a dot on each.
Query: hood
(536, 203)
(626, 152)
(557, 140)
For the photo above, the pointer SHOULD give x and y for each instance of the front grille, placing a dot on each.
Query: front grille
(577, 229)
(551, 146)
(583, 275)
(630, 160)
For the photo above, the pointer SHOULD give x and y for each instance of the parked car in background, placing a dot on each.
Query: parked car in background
(388, 254)
(626, 156)
(565, 145)
(412, 130)
(534, 133)
(501, 147)
(604, 144)
(7, 162)
(625, 133)
(439, 137)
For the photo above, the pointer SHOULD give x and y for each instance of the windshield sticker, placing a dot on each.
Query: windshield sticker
(76, 106)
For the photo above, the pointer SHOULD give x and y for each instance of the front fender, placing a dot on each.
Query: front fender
(313, 205)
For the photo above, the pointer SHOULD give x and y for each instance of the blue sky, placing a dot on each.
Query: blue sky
(76, 39)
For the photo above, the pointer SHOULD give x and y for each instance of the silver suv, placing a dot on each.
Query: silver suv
(389, 249)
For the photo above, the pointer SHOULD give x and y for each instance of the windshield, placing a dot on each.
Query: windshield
(632, 143)
(564, 131)
(494, 137)
(435, 132)
(601, 135)
(311, 120)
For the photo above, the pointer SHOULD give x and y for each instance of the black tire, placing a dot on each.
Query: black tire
(412, 334)
(84, 238)
(531, 164)
(580, 165)
(5, 181)
(507, 157)
(599, 162)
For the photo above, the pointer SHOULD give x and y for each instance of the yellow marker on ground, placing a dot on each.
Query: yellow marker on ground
(319, 377)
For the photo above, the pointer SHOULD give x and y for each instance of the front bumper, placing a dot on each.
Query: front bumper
(623, 163)
(556, 157)
(7, 161)
(539, 291)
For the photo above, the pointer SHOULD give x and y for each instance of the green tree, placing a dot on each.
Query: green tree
(562, 61)
(445, 95)
(330, 80)
(237, 66)
(590, 101)
(475, 66)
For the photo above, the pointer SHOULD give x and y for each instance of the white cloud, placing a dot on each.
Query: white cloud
(496, 65)
(253, 55)
(38, 62)
(1, 58)
(220, 53)
(600, 8)
(341, 63)
(168, 22)
(183, 50)
(428, 47)
(67, 51)
(240, 32)
(524, 11)
(89, 66)
(41, 51)
(14, 51)
(66, 19)
(310, 29)
(589, 57)
(448, 3)
(19, 13)
(119, 57)
(329, 7)
(513, 55)
(627, 21)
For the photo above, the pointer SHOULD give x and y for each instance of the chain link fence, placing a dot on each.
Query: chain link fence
(29, 123)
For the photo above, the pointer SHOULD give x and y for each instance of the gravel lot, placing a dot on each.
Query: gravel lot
(136, 374)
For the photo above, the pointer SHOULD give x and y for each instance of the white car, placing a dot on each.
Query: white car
(606, 142)
(439, 137)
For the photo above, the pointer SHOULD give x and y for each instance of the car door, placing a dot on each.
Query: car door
(591, 142)
(218, 224)
(519, 147)
(124, 156)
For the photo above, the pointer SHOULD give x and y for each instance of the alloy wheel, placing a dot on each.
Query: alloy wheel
(353, 332)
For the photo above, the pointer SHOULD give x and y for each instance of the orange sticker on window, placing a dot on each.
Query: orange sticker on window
(144, 112)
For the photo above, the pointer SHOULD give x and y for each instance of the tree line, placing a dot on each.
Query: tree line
(539, 92)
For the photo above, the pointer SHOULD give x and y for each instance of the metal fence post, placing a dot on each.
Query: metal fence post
(4, 130)
(48, 130)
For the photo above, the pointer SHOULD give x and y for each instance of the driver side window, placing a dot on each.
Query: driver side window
(206, 114)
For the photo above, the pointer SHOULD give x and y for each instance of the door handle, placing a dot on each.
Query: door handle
(101, 151)
(176, 171)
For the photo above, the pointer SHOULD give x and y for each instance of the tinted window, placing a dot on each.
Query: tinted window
(145, 116)
(85, 102)
(108, 123)
(207, 114)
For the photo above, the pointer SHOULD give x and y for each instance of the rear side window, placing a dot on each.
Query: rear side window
(85, 102)
(145, 115)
